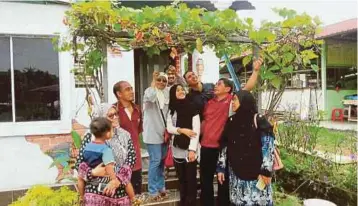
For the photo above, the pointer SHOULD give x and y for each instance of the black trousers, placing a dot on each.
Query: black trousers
(136, 181)
(223, 191)
(186, 172)
(208, 162)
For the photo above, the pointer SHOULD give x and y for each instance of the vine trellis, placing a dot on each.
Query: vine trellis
(285, 46)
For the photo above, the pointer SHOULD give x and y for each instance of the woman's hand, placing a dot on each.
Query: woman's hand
(221, 178)
(99, 171)
(155, 76)
(267, 180)
(111, 187)
(191, 156)
(188, 132)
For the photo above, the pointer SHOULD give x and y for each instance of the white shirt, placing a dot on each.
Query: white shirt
(128, 113)
(194, 142)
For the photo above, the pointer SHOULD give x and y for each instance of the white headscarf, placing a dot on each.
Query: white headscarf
(162, 98)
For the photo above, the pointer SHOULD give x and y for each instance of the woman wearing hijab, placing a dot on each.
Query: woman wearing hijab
(183, 122)
(248, 158)
(124, 155)
(155, 109)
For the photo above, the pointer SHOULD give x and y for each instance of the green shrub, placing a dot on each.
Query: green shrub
(45, 196)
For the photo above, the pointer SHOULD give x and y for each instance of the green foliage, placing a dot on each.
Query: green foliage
(159, 28)
(44, 196)
(285, 46)
(76, 138)
(300, 142)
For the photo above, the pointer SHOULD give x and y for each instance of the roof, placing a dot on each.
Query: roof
(236, 5)
(338, 28)
(61, 2)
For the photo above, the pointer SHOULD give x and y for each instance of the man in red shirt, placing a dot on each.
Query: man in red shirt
(215, 114)
(130, 119)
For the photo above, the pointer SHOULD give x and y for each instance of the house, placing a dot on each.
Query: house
(339, 65)
(41, 100)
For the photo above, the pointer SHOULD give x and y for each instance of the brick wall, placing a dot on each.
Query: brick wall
(48, 142)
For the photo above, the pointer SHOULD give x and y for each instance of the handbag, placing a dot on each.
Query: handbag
(277, 162)
(169, 161)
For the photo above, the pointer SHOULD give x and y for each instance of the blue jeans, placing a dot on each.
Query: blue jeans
(156, 179)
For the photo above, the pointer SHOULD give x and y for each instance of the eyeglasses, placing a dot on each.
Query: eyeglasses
(112, 116)
(191, 75)
(161, 80)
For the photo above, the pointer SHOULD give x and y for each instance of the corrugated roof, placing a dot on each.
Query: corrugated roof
(338, 28)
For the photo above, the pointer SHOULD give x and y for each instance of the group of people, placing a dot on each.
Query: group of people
(208, 124)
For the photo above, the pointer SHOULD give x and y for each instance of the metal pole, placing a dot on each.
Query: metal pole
(232, 72)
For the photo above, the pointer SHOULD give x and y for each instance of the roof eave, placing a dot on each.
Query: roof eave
(336, 34)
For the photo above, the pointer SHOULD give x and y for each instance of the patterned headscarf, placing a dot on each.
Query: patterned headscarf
(119, 141)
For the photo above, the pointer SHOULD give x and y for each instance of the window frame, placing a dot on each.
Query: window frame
(65, 63)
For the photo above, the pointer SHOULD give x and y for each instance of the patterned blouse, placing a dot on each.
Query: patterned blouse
(125, 157)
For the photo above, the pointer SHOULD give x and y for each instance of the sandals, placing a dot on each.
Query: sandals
(157, 198)
(164, 194)
(136, 202)
(160, 197)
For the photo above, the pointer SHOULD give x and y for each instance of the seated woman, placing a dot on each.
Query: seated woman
(247, 154)
(184, 122)
(124, 155)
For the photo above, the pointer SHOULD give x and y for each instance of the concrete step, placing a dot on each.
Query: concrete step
(173, 200)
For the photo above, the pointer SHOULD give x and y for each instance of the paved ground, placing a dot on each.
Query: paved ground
(352, 126)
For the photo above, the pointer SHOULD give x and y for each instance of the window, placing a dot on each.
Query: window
(345, 78)
(29, 72)
(303, 79)
(5, 81)
(81, 79)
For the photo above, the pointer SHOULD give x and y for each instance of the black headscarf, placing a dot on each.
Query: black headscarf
(185, 111)
(247, 108)
(243, 116)
(183, 107)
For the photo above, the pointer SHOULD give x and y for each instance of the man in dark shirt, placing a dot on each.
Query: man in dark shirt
(200, 93)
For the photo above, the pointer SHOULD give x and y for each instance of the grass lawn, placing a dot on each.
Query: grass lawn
(334, 141)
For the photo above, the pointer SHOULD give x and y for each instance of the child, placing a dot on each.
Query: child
(98, 152)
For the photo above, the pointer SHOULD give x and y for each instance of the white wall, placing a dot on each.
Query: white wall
(27, 18)
(23, 164)
(211, 65)
(298, 100)
(120, 68)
